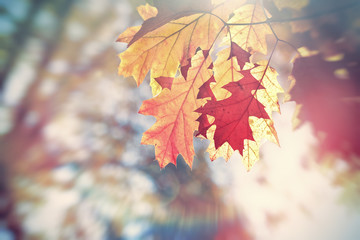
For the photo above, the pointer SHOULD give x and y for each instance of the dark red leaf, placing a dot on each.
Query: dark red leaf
(184, 69)
(241, 55)
(165, 82)
(204, 125)
(232, 114)
(205, 90)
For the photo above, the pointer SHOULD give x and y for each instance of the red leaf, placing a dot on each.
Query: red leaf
(165, 82)
(204, 125)
(241, 55)
(205, 90)
(184, 69)
(232, 114)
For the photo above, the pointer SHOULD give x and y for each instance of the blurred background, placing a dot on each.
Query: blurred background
(72, 166)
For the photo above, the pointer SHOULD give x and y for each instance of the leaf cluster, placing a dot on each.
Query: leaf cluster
(212, 72)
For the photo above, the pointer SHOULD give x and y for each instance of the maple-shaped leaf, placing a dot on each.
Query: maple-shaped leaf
(167, 11)
(240, 95)
(226, 69)
(262, 129)
(232, 114)
(165, 48)
(174, 110)
(269, 94)
(245, 30)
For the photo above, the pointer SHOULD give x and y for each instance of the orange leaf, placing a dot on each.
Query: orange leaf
(163, 49)
(146, 12)
(172, 134)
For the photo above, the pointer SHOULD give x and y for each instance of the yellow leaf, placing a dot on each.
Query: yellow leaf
(224, 150)
(155, 87)
(225, 70)
(163, 49)
(251, 36)
(250, 153)
(262, 128)
(128, 34)
(268, 96)
(147, 11)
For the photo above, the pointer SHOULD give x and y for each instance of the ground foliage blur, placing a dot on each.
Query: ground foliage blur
(71, 166)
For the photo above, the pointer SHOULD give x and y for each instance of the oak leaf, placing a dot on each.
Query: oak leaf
(163, 49)
(233, 97)
(246, 30)
(227, 69)
(172, 134)
(262, 128)
(232, 114)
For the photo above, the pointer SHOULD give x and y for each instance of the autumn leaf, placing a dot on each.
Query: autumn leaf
(128, 34)
(262, 128)
(172, 134)
(167, 11)
(226, 69)
(269, 94)
(225, 150)
(232, 114)
(163, 49)
(246, 30)
(147, 11)
(234, 98)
